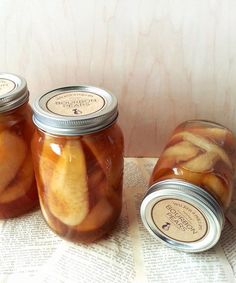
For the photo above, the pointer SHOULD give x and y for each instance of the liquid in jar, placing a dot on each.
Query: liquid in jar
(79, 161)
(18, 192)
(191, 186)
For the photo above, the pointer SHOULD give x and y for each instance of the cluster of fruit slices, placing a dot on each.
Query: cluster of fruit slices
(17, 176)
(80, 182)
(202, 156)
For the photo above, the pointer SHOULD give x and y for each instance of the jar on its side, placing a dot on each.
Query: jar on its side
(191, 186)
(78, 159)
(18, 192)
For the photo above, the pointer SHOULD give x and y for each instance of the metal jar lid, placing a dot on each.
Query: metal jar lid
(13, 91)
(182, 215)
(75, 110)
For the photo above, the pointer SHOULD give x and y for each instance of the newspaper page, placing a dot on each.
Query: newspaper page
(30, 252)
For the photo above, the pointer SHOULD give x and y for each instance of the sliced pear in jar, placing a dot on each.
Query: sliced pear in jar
(108, 150)
(12, 154)
(97, 185)
(202, 163)
(67, 195)
(174, 154)
(188, 176)
(49, 155)
(21, 184)
(98, 216)
(216, 186)
(215, 133)
(181, 151)
(170, 157)
(96, 178)
(7, 122)
(205, 144)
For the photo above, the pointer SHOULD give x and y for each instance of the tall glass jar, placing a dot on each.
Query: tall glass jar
(191, 186)
(78, 159)
(18, 193)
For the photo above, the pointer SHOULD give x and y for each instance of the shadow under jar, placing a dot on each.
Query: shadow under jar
(18, 192)
(191, 186)
(78, 160)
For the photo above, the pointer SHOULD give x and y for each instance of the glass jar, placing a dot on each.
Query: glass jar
(18, 192)
(78, 159)
(191, 186)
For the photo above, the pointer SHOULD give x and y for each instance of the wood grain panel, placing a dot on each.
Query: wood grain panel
(167, 61)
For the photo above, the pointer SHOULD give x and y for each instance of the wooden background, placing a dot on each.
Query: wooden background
(167, 61)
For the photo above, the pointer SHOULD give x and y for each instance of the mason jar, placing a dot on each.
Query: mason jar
(191, 186)
(78, 160)
(18, 192)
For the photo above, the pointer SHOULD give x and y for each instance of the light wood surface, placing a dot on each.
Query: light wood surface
(167, 61)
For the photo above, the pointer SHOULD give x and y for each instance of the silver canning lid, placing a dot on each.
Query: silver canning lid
(13, 91)
(75, 110)
(182, 215)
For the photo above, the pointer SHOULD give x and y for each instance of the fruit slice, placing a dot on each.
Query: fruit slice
(217, 134)
(9, 120)
(205, 144)
(191, 177)
(108, 149)
(67, 194)
(174, 154)
(216, 186)
(21, 184)
(180, 173)
(97, 181)
(49, 155)
(98, 216)
(181, 151)
(202, 163)
(12, 154)
(98, 187)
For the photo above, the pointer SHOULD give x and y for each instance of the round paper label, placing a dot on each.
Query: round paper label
(6, 86)
(75, 103)
(179, 220)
